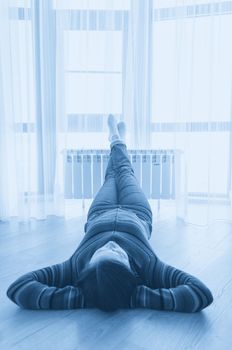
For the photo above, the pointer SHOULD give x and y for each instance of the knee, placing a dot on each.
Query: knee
(125, 170)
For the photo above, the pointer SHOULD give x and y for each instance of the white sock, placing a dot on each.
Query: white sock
(113, 129)
(122, 130)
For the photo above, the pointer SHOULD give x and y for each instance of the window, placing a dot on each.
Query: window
(192, 91)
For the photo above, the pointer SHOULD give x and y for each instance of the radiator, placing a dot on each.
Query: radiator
(158, 172)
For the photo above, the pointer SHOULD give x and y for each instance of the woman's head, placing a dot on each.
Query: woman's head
(108, 282)
(111, 251)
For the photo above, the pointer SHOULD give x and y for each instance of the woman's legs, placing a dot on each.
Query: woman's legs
(130, 194)
(120, 185)
(107, 196)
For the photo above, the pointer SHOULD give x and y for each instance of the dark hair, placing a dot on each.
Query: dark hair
(107, 285)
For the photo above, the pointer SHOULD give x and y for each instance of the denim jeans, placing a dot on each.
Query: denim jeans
(121, 187)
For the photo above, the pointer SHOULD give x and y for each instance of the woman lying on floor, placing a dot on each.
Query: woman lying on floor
(114, 266)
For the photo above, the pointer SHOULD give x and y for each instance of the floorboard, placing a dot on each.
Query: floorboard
(204, 252)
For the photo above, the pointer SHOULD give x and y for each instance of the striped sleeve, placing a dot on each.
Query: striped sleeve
(174, 290)
(46, 288)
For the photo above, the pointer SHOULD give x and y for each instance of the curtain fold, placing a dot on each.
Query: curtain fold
(137, 82)
(7, 141)
(44, 47)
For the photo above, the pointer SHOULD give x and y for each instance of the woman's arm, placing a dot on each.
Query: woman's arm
(174, 290)
(46, 288)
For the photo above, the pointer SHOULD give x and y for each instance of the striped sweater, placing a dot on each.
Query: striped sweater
(163, 287)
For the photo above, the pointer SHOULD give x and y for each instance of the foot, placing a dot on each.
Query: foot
(113, 129)
(122, 130)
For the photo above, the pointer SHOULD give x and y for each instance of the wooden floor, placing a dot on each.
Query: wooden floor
(207, 253)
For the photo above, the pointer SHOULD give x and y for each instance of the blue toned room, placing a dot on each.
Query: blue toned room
(115, 174)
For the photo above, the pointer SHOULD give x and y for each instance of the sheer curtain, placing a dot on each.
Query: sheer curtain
(162, 66)
(28, 118)
(192, 100)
